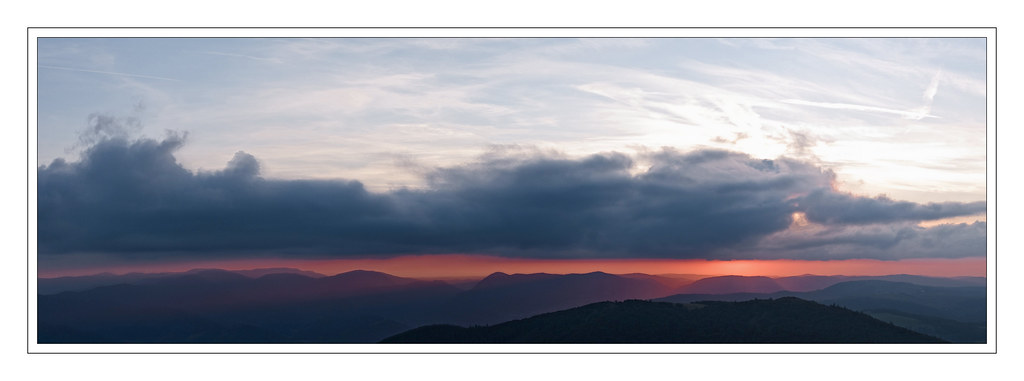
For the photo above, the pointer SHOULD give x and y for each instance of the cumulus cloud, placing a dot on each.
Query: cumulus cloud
(878, 241)
(100, 127)
(831, 207)
(132, 198)
(739, 136)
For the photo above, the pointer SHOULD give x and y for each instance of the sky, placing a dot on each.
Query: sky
(554, 149)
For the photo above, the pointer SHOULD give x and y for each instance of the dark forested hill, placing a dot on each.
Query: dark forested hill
(957, 314)
(784, 320)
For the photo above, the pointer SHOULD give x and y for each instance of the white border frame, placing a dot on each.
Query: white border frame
(984, 32)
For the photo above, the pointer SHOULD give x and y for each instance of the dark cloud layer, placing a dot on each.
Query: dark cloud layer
(839, 208)
(132, 198)
(878, 241)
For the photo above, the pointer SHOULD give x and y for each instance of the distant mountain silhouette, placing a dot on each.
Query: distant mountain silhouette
(501, 297)
(962, 281)
(500, 279)
(362, 280)
(671, 281)
(817, 282)
(810, 282)
(732, 284)
(46, 286)
(211, 305)
(935, 310)
(958, 303)
(292, 307)
(223, 306)
(784, 320)
(256, 273)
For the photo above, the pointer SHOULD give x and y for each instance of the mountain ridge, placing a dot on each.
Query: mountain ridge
(365, 306)
(784, 320)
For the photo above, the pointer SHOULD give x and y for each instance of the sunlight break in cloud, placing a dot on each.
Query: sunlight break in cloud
(132, 198)
(533, 148)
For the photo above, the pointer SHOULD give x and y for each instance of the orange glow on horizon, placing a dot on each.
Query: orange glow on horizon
(476, 266)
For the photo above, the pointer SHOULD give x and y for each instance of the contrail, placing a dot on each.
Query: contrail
(107, 72)
(916, 114)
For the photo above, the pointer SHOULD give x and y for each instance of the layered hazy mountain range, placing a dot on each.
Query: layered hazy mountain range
(283, 305)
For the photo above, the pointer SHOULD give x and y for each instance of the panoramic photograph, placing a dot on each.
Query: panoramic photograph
(484, 190)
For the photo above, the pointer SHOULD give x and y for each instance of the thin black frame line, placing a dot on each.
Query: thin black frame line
(518, 353)
(483, 38)
(514, 27)
(28, 187)
(995, 180)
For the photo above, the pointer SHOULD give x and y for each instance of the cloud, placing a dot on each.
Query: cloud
(104, 126)
(739, 136)
(933, 88)
(877, 241)
(838, 208)
(108, 73)
(915, 114)
(132, 198)
(254, 58)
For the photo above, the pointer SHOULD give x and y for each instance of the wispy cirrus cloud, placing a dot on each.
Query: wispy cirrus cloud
(323, 108)
(245, 56)
(107, 73)
(908, 114)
